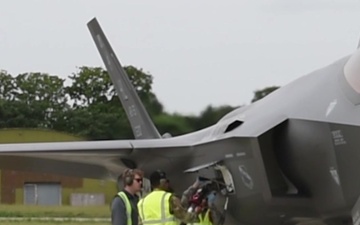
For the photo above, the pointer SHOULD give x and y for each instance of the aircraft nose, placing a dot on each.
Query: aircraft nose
(352, 71)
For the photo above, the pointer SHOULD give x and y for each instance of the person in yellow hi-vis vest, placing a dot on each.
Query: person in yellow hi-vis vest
(124, 209)
(206, 216)
(208, 212)
(160, 207)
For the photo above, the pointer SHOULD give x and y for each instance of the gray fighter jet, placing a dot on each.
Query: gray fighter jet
(290, 158)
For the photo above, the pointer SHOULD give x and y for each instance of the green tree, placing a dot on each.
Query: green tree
(101, 121)
(209, 116)
(32, 100)
(89, 106)
(259, 94)
(7, 87)
(89, 85)
(97, 112)
(93, 84)
(44, 96)
(174, 124)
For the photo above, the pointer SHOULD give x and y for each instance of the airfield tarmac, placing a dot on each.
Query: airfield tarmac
(92, 221)
(71, 215)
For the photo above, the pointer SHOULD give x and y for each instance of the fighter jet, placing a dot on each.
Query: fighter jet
(291, 158)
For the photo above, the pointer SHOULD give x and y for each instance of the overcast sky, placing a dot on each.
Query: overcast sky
(199, 52)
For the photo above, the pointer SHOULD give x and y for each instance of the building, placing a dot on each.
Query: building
(21, 187)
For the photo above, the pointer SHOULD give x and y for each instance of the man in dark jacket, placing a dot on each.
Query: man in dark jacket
(124, 209)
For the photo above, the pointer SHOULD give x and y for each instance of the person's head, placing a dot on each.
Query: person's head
(159, 180)
(132, 180)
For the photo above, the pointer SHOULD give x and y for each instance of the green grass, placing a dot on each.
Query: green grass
(54, 211)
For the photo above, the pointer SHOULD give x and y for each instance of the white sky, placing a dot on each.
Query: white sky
(200, 52)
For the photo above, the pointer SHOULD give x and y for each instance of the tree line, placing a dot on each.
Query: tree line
(89, 105)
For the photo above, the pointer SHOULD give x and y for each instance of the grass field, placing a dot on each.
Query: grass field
(54, 211)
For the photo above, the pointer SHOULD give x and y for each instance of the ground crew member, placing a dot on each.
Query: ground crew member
(160, 207)
(208, 213)
(124, 209)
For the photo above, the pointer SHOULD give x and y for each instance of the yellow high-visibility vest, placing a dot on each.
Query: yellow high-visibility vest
(126, 200)
(154, 209)
(205, 220)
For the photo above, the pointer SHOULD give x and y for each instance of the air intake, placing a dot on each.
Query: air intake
(233, 125)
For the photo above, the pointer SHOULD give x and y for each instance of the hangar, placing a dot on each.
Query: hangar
(21, 187)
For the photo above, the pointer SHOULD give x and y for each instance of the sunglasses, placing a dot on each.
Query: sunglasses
(139, 180)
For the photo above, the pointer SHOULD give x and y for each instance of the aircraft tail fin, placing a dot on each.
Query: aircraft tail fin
(140, 121)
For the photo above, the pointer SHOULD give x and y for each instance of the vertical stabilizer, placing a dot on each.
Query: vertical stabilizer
(141, 124)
